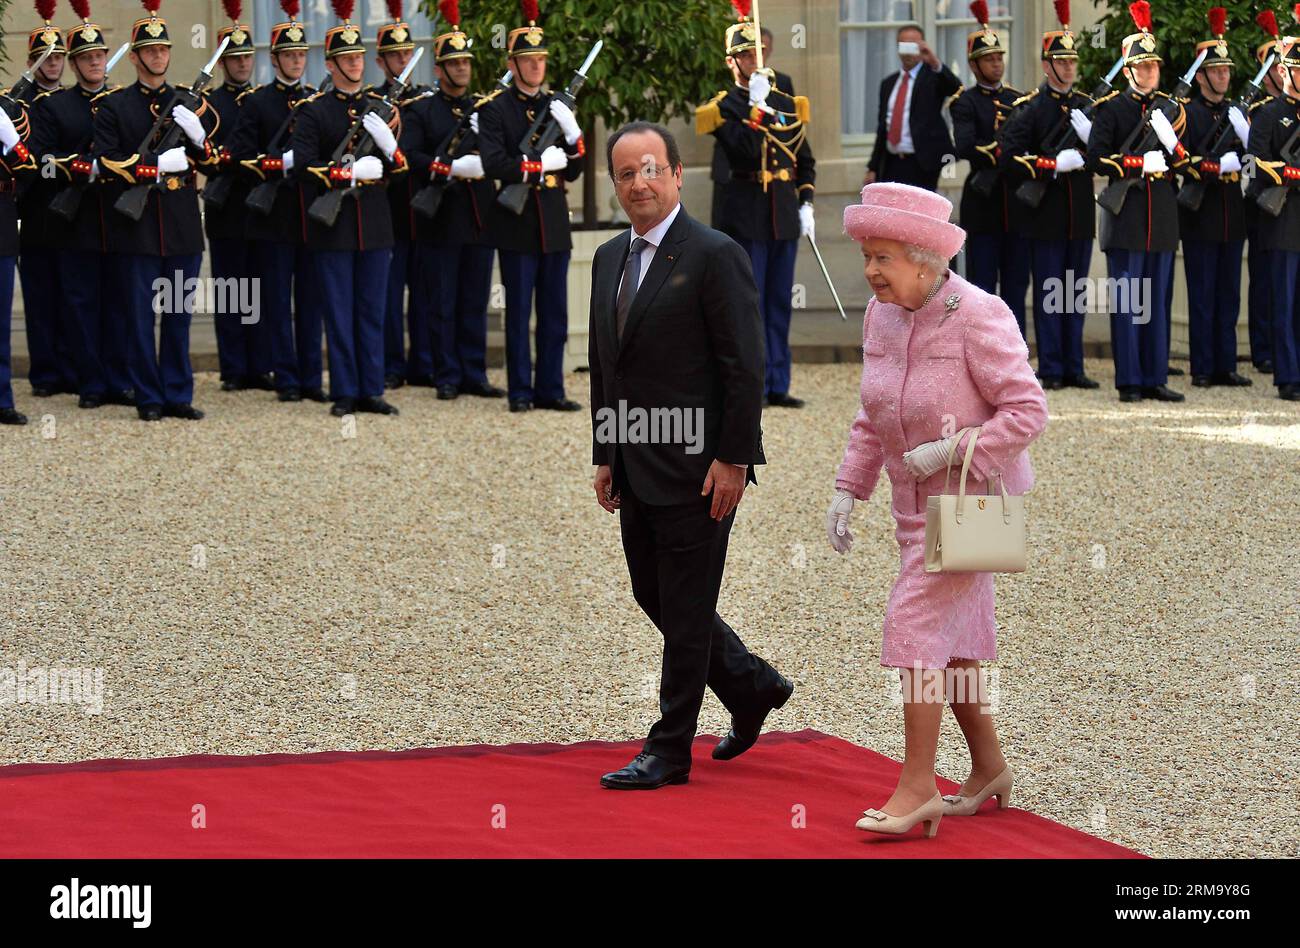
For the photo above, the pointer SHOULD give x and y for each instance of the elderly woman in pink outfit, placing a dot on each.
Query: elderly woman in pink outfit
(939, 354)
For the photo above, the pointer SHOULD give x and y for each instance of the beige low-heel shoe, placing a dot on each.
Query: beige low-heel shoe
(930, 813)
(999, 786)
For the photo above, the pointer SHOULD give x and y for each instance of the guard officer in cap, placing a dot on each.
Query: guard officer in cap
(164, 248)
(15, 160)
(1259, 312)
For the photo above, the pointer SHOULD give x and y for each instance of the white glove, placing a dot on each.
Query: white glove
(1153, 162)
(837, 522)
(568, 124)
(383, 136)
(1082, 125)
(1068, 160)
(173, 160)
(924, 459)
(287, 158)
(554, 159)
(1164, 131)
(8, 134)
(1229, 162)
(759, 87)
(807, 223)
(473, 122)
(467, 166)
(1240, 124)
(190, 124)
(368, 168)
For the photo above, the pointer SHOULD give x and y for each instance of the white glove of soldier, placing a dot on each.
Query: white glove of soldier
(190, 124)
(1068, 160)
(554, 159)
(1240, 124)
(8, 134)
(287, 158)
(383, 136)
(368, 168)
(759, 87)
(837, 522)
(1153, 162)
(1229, 163)
(473, 122)
(173, 160)
(1082, 125)
(467, 166)
(807, 222)
(568, 124)
(1164, 131)
(924, 459)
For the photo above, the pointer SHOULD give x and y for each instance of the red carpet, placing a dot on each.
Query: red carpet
(442, 802)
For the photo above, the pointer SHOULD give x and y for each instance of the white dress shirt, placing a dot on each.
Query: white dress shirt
(905, 144)
(653, 238)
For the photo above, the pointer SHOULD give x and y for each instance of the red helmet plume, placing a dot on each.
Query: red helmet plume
(81, 8)
(1063, 11)
(979, 9)
(1141, 14)
(1267, 21)
(742, 8)
(233, 8)
(1218, 18)
(45, 9)
(450, 10)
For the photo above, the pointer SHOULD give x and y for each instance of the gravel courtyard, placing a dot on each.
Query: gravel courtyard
(262, 582)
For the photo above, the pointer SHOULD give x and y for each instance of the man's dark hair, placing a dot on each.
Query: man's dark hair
(766, 33)
(909, 26)
(670, 143)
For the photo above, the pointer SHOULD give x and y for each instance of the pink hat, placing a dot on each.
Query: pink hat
(904, 213)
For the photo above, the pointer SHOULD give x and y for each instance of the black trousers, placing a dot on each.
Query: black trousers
(905, 169)
(676, 555)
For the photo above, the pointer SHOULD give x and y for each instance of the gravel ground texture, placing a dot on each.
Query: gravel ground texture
(271, 580)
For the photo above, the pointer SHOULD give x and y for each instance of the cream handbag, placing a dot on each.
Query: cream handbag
(982, 534)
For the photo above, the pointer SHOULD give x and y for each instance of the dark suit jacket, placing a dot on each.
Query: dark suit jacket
(693, 340)
(930, 135)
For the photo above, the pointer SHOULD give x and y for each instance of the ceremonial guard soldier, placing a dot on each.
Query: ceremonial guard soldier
(273, 224)
(163, 247)
(52, 363)
(351, 254)
(1275, 143)
(243, 349)
(1214, 234)
(533, 246)
(766, 204)
(1042, 152)
(90, 289)
(395, 47)
(451, 264)
(997, 253)
(1259, 310)
(15, 160)
(1140, 240)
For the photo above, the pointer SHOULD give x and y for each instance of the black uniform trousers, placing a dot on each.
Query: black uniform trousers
(905, 169)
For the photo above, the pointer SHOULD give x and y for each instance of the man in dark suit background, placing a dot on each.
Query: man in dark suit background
(911, 135)
(675, 328)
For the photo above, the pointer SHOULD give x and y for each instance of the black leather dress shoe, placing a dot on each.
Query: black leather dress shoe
(784, 400)
(394, 381)
(376, 406)
(421, 380)
(261, 382)
(559, 404)
(646, 772)
(149, 412)
(342, 406)
(315, 394)
(520, 404)
(233, 385)
(1130, 393)
(1233, 379)
(12, 416)
(745, 730)
(1175, 370)
(1289, 393)
(182, 410)
(447, 392)
(1051, 383)
(1080, 381)
(1162, 393)
(120, 398)
(90, 401)
(1202, 381)
(45, 391)
(483, 391)
(289, 395)
(1266, 367)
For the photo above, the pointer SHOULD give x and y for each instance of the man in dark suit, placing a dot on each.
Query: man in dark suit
(911, 135)
(676, 337)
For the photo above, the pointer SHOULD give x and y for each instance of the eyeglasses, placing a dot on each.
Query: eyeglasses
(647, 171)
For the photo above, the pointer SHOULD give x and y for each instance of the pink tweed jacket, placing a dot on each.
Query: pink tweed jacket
(927, 374)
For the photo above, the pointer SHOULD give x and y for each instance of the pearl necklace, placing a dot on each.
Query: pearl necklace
(933, 290)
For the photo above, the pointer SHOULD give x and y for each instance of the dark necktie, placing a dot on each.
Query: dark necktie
(631, 277)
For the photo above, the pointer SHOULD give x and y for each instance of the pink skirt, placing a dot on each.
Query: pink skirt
(933, 618)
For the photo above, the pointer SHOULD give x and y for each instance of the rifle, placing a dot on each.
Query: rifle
(429, 197)
(543, 133)
(67, 201)
(262, 196)
(1114, 195)
(1272, 199)
(1064, 136)
(357, 143)
(12, 100)
(1192, 193)
(164, 135)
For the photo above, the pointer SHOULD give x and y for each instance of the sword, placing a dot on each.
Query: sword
(822, 263)
(121, 51)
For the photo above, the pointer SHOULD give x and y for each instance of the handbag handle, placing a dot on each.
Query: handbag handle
(965, 469)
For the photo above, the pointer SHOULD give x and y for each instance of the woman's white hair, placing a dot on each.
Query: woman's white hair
(925, 257)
